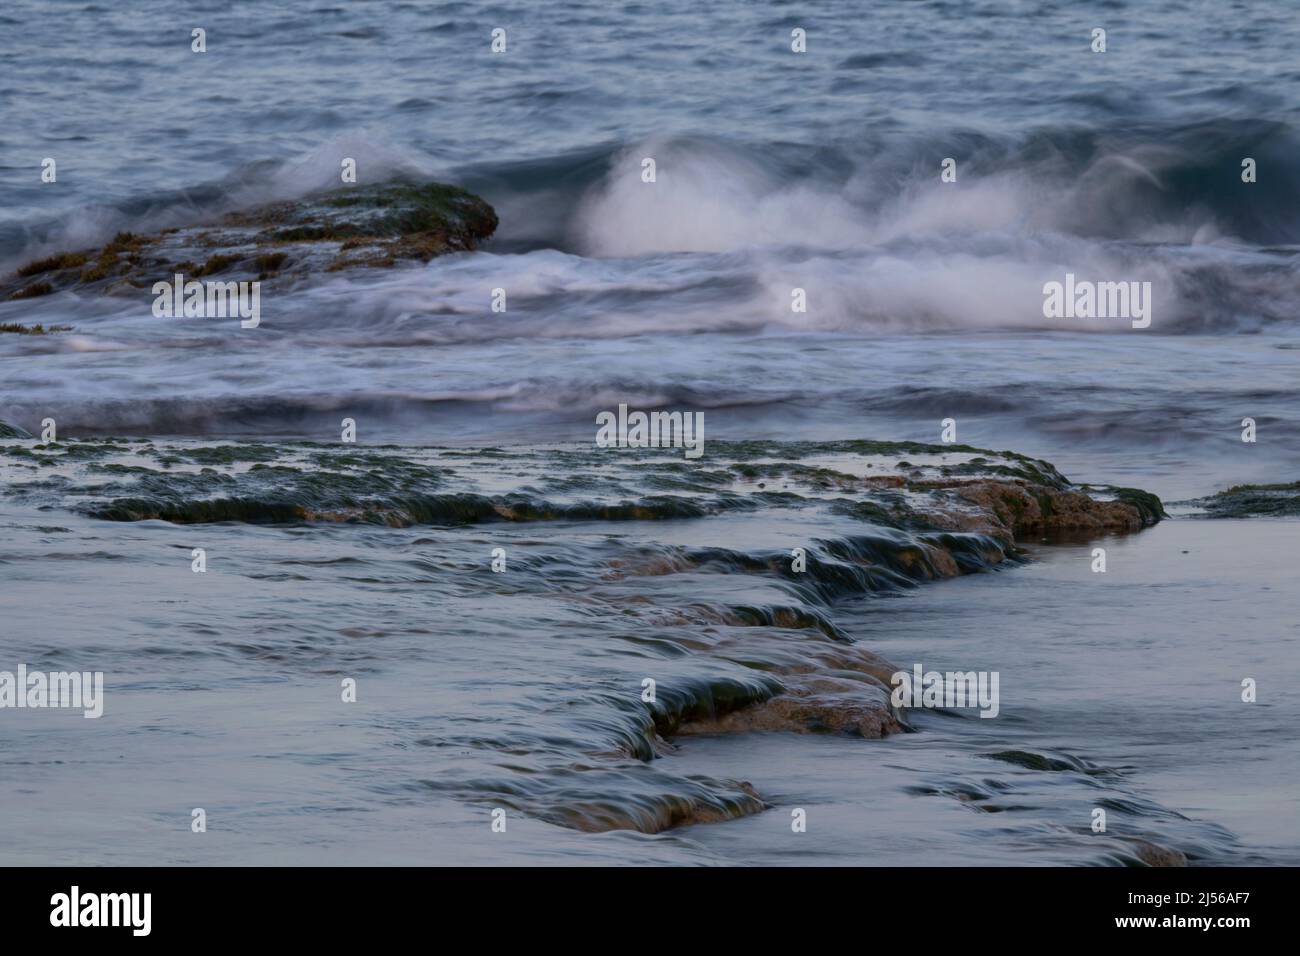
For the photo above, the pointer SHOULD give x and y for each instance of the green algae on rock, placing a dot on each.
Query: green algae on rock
(776, 660)
(1250, 501)
(942, 491)
(17, 328)
(357, 226)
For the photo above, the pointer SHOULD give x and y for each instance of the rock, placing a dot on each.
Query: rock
(1007, 509)
(12, 431)
(699, 800)
(1155, 855)
(1250, 501)
(816, 704)
(354, 227)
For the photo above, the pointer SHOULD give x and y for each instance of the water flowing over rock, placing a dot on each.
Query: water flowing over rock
(354, 227)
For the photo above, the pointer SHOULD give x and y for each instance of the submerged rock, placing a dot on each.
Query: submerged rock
(690, 802)
(597, 798)
(1153, 854)
(356, 226)
(811, 704)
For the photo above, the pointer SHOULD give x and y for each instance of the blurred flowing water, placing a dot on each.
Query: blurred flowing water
(775, 171)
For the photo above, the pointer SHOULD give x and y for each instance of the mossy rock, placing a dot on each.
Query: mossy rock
(375, 226)
(1148, 505)
(1251, 501)
(12, 431)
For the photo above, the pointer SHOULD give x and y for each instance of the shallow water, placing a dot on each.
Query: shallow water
(479, 690)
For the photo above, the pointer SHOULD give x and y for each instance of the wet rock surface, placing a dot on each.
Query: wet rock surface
(755, 635)
(375, 226)
(1252, 501)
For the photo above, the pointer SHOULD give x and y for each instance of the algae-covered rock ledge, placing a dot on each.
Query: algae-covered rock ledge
(896, 485)
(774, 656)
(373, 226)
(1280, 500)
